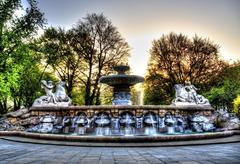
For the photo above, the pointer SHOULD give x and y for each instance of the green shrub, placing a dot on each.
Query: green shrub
(236, 105)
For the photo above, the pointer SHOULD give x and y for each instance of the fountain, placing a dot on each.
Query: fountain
(122, 122)
(124, 119)
(121, 84)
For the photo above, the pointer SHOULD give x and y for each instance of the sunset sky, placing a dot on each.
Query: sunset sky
(142, 21)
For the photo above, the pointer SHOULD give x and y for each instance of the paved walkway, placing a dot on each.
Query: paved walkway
(14, 152)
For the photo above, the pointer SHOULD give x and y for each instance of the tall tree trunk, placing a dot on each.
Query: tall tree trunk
(94, 92)
(95, 87)
(88, 86)
(3, 106)
(70, 88)
(1, 38)
(98, 101)
(16, 104)
(41, 76)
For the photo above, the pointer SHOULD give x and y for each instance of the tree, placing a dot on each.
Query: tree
(101, 47)
(28, 84)
(27, 73)
(15, 33)
(81, 55)
(59, 54)
(177, 59)
(226, 88)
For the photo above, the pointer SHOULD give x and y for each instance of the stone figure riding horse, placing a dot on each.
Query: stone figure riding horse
(182, 95)
(58, 98)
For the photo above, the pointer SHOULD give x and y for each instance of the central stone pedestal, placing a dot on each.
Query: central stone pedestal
(122, 98)
(121, 95)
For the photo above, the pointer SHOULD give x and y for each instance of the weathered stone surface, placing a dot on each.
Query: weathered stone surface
(25, 122)
(16, 128)
(26, 115)
(127, 107)
(35, 120)
(5, 124)
(12, 123)
(18, 113)
(232, 123)
(13, 120)
(226, 121)
(45, 125)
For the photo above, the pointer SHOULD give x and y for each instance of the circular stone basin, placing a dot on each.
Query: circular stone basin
(158, 140)
(121, 79)
(107, 113)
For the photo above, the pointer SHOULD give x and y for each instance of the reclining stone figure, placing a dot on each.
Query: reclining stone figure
(187, 95)
(59, 98)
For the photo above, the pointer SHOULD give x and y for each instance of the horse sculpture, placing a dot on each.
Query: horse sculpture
(181, 95)
(60, 93)
(185, 96)
(58, 98)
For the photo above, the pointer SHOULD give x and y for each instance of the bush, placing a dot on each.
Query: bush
(236, 105)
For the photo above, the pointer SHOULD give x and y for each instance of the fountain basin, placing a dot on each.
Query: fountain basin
(145, 120)
(116, 80)
(121, 84)
(162, 140)
(113, 134)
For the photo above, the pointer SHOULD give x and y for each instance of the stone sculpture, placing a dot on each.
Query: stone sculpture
(187, 95)
(59, 98)
(227, 121)
(46, 125)
(201, 123)
(60, 93)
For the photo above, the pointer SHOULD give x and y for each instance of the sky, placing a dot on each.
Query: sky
(142, 21)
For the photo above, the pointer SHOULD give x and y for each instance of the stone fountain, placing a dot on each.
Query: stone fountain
(187, 113)
(53, 114)
(121, 84)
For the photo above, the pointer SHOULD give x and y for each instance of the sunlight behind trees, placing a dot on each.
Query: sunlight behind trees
(176, 59)
(83, 53)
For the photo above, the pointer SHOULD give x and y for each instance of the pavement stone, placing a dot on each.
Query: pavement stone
(21, 153)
